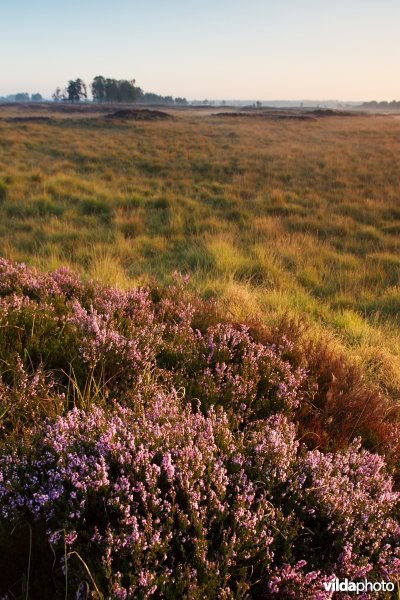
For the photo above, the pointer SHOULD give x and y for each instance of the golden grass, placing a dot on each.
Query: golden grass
(274, 217)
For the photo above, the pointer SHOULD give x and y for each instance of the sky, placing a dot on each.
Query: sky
(208, 49)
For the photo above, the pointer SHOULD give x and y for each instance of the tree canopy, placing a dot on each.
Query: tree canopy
(108, 90)
(114, 90)
(76, 90)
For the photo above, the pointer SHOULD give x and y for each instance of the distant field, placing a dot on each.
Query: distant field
(292, 216)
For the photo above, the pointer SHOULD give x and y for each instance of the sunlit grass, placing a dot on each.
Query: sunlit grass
(274, 218)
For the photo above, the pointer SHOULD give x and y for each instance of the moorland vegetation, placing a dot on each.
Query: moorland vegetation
(232, 431)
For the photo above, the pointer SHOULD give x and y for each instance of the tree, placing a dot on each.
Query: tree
(76, 90)
(111, 90)
(36, 97)
(115, 90)
(151, 98)
(22, 97)
(98, 88)
(127, 92)
(59, 95)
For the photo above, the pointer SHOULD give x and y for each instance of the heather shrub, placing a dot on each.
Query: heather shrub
(159, 450)
(17, 278)
(167, 502)
(351, 493)
(155, 500)
(120, 337)
(220, 363)
(243, 376)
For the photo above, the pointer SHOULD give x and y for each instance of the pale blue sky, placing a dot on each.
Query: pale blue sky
(236, 49)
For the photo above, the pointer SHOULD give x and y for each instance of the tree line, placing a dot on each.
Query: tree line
(394, 104)
(107, 90)
(22, 97)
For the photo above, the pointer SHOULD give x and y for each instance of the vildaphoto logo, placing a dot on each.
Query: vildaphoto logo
(344, 585)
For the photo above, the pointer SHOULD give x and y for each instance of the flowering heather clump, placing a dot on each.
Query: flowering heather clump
(188, 476)
(102, 342)
(242, 374)
(160, 494)
(118, 338)
(173, 502)
(17, 278)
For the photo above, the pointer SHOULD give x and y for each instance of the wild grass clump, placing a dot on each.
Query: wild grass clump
(150, 446)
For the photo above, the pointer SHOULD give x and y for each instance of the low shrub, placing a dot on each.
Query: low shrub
(160, 450)
(162, 501)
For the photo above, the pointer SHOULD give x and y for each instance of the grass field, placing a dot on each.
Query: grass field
(301, 217)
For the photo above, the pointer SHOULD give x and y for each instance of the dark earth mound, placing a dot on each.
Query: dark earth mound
(139, 115)
(273, 116)
(28, 119)
(329, 112)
